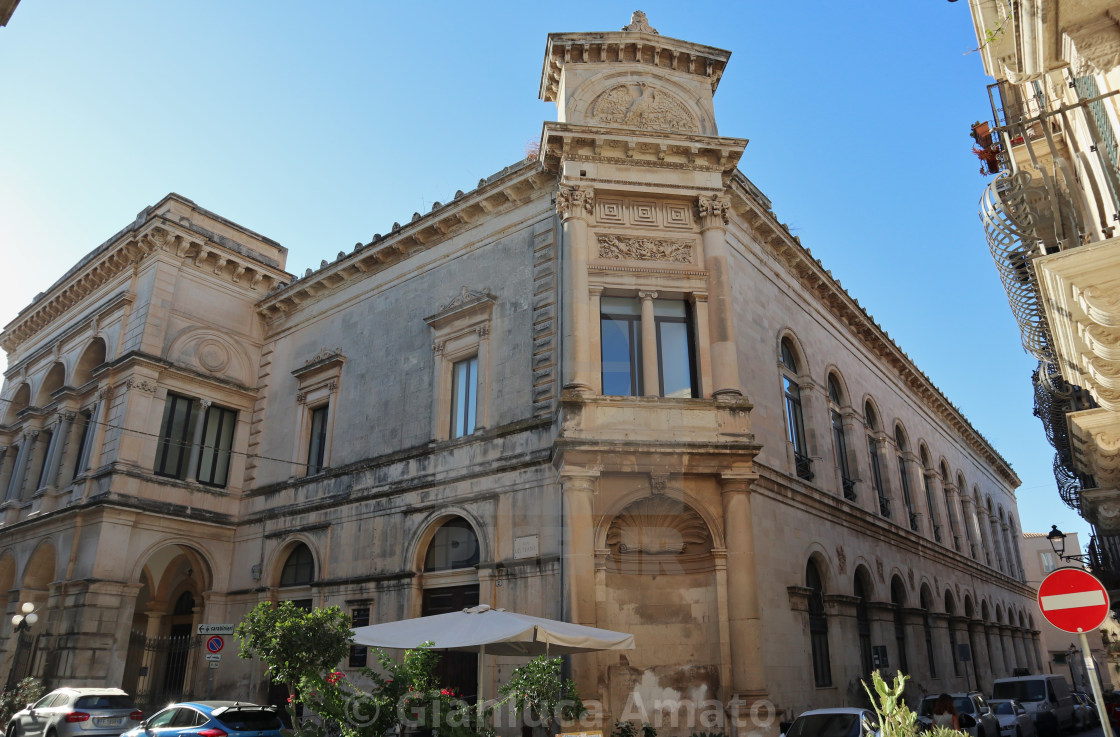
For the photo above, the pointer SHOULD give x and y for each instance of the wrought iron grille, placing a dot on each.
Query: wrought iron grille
(1053, 400)
(804, 466)
(849, 488)
(159, 669)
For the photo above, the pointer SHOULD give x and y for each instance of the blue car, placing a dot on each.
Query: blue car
(211, 719)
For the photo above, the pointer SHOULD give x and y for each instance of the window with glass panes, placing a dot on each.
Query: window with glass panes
(839, 438)
(620, 326)
(674, 349)
(217, 444)
(174, 449)
(795, 423)
(464, 396)
(317, 442)
(818, 627)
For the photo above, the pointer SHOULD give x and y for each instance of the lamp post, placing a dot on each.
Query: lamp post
(1057, 540)
(21, 623)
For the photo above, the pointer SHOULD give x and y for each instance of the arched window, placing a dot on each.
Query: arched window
(927, 473)
(904, 477)
(927, 631)
(873, 452)
(993, 526)
(454, 546)
(839, 438)
(863, 620)
(951, 609)
(299, 568)
(795, 423)
(818, 626)
(898, 599)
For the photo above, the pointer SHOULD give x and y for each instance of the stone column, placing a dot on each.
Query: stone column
(575, 206)
(952, 505)
(579, 489)
(58, 444)
(1008, 647)
(978, 644)
(843, 638)
(995, 651)
(748, 675)
(35, 460)
(942, 652)
(196, 440)
(7, 466)
(881, 614)
(19, 474)
(917, 657)
(596, 348)
(650, 371)
(971, 530)
(713, 212)
(703, 352)
(958, 629)
(72, 450)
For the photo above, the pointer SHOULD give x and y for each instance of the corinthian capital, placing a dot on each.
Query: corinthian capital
(713, 210)
(574, 201)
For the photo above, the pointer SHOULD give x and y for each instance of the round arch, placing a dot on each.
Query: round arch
(94, 355)
(52, 382)
(417, 548)
(21, 399)
(640, 492)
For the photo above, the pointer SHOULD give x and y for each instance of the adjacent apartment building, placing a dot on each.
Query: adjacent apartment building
(1051, 219)
(605, 385)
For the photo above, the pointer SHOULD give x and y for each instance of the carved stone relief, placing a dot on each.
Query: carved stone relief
(659, 525)
(638, 105)
(644, 249)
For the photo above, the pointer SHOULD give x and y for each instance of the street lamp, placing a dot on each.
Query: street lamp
(1057, 540)
(21, 623)
(26, 619)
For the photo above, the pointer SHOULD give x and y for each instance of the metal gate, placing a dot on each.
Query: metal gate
(160, 670)
(26, 646)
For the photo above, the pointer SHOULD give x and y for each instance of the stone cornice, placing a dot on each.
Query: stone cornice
(562, 142)
(628, 47)
(513, 186)
(818, 281)
(150, 233)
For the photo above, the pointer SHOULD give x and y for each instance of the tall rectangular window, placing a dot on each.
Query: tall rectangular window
(359, 617)
(174, 449)
(877, 478)
(217, 443)
(905, 481)
(317, 447)
(621, 338)
(464, 396)
(840, 445)
(674, 349)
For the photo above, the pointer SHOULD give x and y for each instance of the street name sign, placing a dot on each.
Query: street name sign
(1073, 600)
(216, 629)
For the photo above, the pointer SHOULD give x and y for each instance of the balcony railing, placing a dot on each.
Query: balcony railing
(885, 506)
(804, 466)
(1104, 559)
(849, 489)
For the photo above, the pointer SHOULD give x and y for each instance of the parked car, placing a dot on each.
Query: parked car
(76, 712)
(1084, 712)
(973, 713)
(1046, 697)
(1014, 721)
(211, 719)
(838, 722)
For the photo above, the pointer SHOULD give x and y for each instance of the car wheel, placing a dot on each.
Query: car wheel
(52, 733)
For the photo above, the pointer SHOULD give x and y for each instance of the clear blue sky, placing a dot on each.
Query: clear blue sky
(319, 124)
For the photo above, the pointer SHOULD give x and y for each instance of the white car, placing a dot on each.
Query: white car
(973, 714)
(838, 722)
(1014, 720)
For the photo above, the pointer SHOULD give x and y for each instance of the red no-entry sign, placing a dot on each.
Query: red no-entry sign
(1073, 600)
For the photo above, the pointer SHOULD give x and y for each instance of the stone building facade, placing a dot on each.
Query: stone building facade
(605, 385)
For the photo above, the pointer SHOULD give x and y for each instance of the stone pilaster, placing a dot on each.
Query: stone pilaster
(744, 619)
(713, 211)
(575, 205)
(650, 370)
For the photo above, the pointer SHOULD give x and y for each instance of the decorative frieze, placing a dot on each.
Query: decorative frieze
(142, 385)
(645, 249)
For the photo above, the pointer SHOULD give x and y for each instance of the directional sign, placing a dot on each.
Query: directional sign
(216, 629)
(215, 644)
(1073, 600)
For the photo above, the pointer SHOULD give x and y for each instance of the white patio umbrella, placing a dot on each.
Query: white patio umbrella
(488, 631)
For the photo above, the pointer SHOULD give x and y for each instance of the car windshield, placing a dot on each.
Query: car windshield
(963, 705)
(1001, 707)
(109, 701)
(250, 720)
(825, 725)
(1021, 690)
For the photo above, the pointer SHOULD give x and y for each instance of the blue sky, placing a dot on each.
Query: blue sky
(321, 124)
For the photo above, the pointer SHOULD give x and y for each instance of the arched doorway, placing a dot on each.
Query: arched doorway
(450, 584)
(162, 664)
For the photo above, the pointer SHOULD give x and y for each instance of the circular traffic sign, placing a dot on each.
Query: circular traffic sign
(215, 644)
(1073, 600)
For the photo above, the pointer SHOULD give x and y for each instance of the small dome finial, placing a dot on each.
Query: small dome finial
(639, 22)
